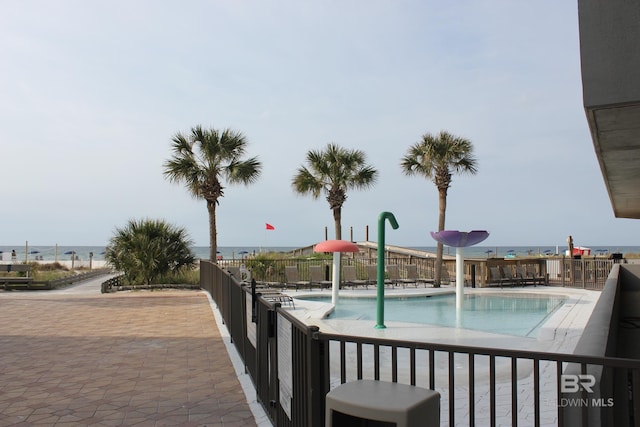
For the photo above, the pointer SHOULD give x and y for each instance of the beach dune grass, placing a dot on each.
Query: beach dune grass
(184, 276)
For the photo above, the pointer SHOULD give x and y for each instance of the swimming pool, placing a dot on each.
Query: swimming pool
(520, 315)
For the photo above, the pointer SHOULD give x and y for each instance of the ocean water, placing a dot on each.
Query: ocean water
(82, 253)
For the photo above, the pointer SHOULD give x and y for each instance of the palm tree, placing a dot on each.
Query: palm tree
(148, 249)
(334, 171)
(202, 160)
(437, 157)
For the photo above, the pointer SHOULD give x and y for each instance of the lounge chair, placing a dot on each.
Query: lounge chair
(411, 271)
(293, 278)
(317, 276)
(394, 276)
(350, 277)
(535, 276)
(372, 275)
(523, 277)
(495, 276)
(445, 277)
(509, 276)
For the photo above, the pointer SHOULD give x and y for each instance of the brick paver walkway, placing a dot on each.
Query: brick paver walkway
(126, 359)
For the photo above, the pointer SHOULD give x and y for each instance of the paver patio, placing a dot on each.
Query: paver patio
(134, 358)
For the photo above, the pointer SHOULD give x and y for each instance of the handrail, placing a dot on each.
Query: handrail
(77, 277)
(111, 283)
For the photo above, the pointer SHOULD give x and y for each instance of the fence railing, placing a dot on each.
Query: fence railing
(26, 283)
(294, 365)
(585, 273)
(272, 271)
(112, 283)
(75, 278)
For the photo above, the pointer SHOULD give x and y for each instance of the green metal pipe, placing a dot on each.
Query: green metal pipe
(380, 276)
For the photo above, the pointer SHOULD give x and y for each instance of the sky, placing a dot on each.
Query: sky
(91, 94)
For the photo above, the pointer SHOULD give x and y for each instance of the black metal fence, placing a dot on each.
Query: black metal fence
(294, 365)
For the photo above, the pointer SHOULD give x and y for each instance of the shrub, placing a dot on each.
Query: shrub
(148, 249)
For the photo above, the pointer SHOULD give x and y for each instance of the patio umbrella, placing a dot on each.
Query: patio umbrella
(336, 246)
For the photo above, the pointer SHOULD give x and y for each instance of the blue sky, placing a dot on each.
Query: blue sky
(92, 93)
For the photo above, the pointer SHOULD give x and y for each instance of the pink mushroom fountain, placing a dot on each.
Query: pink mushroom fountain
(337, 247)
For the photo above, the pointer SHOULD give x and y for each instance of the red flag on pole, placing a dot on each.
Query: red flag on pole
(269, 226)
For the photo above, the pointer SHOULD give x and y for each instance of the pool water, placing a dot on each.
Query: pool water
(520, 315)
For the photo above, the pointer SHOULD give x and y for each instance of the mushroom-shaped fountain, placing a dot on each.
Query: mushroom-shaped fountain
(459, 240)
(337, 247)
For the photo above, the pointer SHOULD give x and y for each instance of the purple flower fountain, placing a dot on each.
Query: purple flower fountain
(460, 240)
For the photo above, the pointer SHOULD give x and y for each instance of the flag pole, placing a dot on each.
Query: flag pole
(267, 227)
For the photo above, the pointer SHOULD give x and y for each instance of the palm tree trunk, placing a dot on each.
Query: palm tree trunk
(442, 209)
(337, 219)
(438, 274)
(213, 234)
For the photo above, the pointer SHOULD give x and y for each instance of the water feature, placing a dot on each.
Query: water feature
(509, 314)
(460, 240)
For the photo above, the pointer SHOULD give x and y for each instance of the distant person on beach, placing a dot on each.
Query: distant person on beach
(13, 255)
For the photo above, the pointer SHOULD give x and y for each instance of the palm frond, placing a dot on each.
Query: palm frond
(243, 172)
(305, 182)
(435, 153)
(333, 171)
